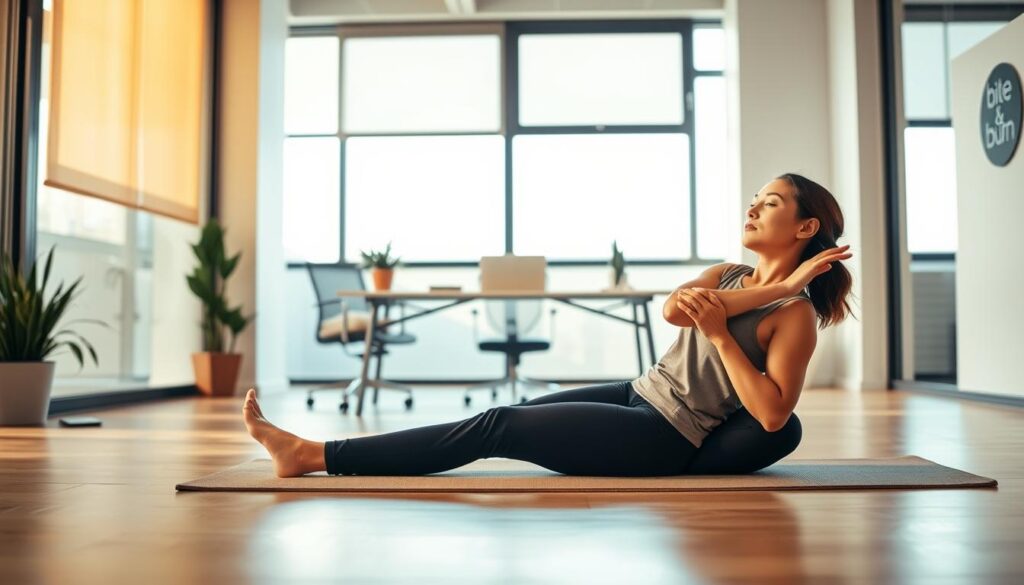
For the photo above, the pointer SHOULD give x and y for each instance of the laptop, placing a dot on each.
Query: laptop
(513, 273)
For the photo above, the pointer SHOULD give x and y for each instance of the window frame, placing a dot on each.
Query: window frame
(509, 127)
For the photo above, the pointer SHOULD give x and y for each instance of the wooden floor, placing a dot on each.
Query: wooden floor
(99, 506)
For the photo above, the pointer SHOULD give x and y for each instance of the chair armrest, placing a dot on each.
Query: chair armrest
(344, 318)
(344, 325)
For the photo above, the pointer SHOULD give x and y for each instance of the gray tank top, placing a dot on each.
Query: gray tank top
(689, 385)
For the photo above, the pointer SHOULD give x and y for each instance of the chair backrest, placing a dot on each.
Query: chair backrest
(328, 279)
(521, 273)
(508, 317)
(513, 273)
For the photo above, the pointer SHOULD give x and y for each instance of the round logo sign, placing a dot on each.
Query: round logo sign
(1000, 114)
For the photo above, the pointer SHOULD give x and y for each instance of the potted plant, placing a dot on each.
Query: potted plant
(383, 266)
(618, 272)
(216, 370)
(28, 335)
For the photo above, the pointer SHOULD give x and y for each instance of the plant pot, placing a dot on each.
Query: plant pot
(216, 373)
(25, 392)
(382, 278)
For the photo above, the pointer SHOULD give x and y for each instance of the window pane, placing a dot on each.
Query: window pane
(931, 190)
(964, 35)
(311, 199)
(590, 79)
(574, 194)
(713, 224)
(422, 84)
(437, 198)
(709, 48)
(131, 265)
(311, 85)
(62, 213)
(924, 71)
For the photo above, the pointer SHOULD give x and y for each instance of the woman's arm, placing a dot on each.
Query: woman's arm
(736, 301)
(772, 396)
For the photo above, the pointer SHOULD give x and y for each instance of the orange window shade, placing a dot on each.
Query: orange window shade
(128, 102)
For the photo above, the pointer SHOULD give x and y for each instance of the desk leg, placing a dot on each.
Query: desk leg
(650, 333)
(636, 330)
(366, 357)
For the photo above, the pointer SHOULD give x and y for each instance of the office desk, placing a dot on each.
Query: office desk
(637, 299)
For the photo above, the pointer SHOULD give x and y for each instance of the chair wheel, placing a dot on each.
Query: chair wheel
(309, 402)
(494, 394)
(343, 407)
(467, 400)
(522, 400)
(408, 403)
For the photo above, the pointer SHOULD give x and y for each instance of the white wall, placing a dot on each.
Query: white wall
(250, 142)
(858, 182)
(990, 208)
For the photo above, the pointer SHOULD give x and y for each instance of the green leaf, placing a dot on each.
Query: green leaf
(229, 266)
(28, 317)
(77, 351)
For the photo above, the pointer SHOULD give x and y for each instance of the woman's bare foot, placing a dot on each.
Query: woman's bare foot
(293, 456)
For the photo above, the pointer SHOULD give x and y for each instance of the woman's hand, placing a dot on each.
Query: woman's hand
(814, 266)
(706, 310)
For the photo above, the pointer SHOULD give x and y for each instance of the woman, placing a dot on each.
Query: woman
(705, 407)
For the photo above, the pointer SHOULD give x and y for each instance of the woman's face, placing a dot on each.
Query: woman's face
(771, 218)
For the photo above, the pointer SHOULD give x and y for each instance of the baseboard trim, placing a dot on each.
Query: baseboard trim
(65, 404)
(861, 385)
(952, 391)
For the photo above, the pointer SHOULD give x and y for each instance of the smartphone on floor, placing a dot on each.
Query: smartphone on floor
(80, 421)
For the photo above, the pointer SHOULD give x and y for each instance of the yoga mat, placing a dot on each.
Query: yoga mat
(508, 475)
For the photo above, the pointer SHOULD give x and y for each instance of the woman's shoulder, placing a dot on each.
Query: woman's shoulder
(734, 268)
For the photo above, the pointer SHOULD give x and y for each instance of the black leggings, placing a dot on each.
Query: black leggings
(604, 430)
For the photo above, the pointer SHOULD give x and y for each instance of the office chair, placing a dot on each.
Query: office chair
(515, 318)
(345, 321)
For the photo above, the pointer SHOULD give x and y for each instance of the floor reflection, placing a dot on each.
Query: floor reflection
(446, 542)
(483, 538)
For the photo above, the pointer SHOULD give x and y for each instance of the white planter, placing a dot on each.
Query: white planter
(25, 392)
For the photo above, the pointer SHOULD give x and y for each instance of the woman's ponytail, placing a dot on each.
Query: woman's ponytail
(828, 290)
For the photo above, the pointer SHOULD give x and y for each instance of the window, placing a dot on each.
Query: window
(574, 194)
(606, 79)
(422, 84)
(132, 266)
(446, 204)
(311, 85)
(931, 189)
(501, 136)
(311, 206)
(929, 149)
(714, 223)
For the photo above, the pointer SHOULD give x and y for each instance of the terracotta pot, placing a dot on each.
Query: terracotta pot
(25, 392)
(382, 278)
(216, 373)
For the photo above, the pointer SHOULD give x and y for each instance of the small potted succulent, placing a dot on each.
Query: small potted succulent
(28, 335)
(216, 367)
(382, 265)
(618, 272)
